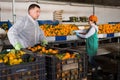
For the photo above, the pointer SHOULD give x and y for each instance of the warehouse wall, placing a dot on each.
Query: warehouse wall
(105, 14)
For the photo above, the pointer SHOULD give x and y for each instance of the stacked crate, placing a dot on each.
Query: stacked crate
(69, 69)
(25, 71)
(57, 15)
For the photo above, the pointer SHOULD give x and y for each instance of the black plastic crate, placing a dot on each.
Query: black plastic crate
(26, 71)
(69, 69)
(64, 75)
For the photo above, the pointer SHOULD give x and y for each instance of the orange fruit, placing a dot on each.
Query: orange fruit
(50, 50)
(54, 51)
(43, 49)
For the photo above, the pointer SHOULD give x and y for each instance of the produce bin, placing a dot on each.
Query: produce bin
(74, 37)
(25, 71)
(69, 69)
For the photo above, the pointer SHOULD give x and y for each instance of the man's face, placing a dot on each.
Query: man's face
(35, 13)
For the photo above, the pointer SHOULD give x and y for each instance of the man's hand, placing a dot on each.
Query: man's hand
(44, 43)
(18, 46)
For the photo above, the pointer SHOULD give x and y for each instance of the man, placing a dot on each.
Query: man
(26, 32)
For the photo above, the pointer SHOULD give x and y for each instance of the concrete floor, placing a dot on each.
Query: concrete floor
(109, 68)
(109, 59)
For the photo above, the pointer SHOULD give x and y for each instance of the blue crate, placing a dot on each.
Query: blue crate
(9, 24)
(110, 35)
(50, 22)
(60, 38)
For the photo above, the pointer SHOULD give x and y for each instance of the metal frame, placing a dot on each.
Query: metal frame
(13, 11)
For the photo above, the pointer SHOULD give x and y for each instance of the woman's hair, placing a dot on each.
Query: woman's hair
(33, 6)
(95, 23)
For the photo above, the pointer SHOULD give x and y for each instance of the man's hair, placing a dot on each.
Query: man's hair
(33, 6)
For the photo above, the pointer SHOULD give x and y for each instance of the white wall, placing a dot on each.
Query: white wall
(104, 14)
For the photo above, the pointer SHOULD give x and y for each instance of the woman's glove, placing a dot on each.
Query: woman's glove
(72, 32)
(77, 34)
(18, 46)
(44, 42)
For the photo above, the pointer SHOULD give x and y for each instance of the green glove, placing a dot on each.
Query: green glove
(18, 46)
(12, 50)
(44, 43)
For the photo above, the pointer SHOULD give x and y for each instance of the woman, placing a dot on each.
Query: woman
(91, 37)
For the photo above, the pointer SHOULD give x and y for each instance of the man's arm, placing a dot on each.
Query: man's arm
(14, 31)
(43, 39)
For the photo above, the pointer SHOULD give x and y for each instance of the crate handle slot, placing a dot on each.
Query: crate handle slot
(21, 70)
